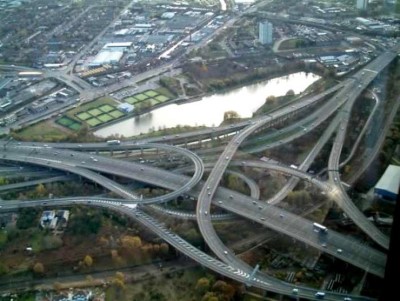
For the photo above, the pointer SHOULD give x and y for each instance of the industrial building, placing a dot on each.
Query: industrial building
(362, 4)
(388, 185)
(110, 54)
(126, 107)
(265, 33)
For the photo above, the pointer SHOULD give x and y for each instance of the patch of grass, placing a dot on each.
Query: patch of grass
(116, 114)
(151, 93)
(42, 131)
(3, 237)
(93, 122)
(75, 126)
(291, 44)
(106, 108)
(95, 112)
(166, 92)
(83, 116)
(36, 241)
(132, 100)
(141, 96)
(65, 121)
(161, 98)
(69, 123)
(105, 117)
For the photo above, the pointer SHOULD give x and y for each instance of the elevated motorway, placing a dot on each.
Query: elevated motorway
(68, 161)
(212, 182)
(298, 228)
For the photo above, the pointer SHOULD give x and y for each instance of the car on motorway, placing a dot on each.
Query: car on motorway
(227, 158)
(319, 295)
(262, 218)
(339, 251)
(226, 252)
(295, 291)
(346, 299)
(83, 162)
(324, 244)
(205, 212)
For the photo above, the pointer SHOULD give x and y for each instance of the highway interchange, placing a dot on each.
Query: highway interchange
(66, 157)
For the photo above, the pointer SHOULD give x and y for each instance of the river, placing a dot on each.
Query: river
(209, 110)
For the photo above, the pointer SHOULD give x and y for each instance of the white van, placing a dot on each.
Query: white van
(320, 295)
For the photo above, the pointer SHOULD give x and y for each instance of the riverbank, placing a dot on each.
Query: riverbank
(210, 110)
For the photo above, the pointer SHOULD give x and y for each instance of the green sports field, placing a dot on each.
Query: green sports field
(141, 96)
(161, 98)
(75, 126)
(106, 108)
(65, 121)
(95, 112)
(151, 93)
(93, 122)
(83, 116)
(105, 118)
(116, 114)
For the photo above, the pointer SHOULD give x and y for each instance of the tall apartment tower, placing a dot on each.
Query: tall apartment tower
(362, 4)
(265, 33)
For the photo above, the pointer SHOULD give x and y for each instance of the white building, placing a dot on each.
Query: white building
(362, 4)
(265, 33)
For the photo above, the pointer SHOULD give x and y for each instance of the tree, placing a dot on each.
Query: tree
(88, 260)
(38, 268)
(131, 242)
(210, 296)
(120, 276)
(3, 269)
(270, 99)
(202, 285)
(164, 248)
(3, 181)
(290, 92)
(231, 115)
(40, 190)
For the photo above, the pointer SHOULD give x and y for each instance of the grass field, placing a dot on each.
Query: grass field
(151, 93)
(105, 117)
(141, 96)
(65, 121)
(93, 122)
(116, 114)
(132, 100)
(83, 116)
(153, 101)
(42, 131)
(106, 108)
(165, 91)
(161, 98)
(95, 112)
(69, 123)
(75, 126)
(90, 105)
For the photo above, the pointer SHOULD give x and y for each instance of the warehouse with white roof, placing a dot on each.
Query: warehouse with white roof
(388, 185)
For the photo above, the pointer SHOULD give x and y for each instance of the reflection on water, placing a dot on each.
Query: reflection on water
(209, 111)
